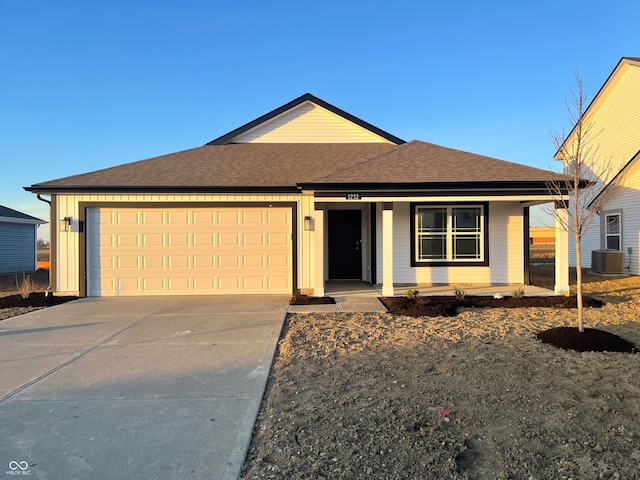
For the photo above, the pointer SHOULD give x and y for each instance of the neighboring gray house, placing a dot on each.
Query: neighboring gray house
(18, 240)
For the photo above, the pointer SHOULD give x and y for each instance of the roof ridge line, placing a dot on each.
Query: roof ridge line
(393, 147)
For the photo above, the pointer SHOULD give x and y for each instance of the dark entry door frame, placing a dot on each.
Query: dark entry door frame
(345, 244)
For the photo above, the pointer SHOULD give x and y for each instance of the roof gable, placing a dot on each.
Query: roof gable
(307, 119)
(612, 96)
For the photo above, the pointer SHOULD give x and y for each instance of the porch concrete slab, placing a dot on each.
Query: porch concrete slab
(327, 308)
(482, 290)
(360, 304)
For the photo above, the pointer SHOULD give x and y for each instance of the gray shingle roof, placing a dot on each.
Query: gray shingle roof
(423, 162)
(234, 165)
(290, 165)
(6, 212)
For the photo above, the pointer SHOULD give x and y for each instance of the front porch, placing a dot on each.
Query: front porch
(481, 246)
(362, 297)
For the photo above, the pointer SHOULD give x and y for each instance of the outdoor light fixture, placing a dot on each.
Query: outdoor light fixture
(307, 223)
(65, 224)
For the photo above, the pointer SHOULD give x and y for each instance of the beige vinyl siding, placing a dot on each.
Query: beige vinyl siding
(628, 202)
(615, 117)
(590, 241)
(67, 244)
(506, 264)
(309, 123)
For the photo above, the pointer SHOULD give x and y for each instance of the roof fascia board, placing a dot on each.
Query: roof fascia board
(160, 190)
(29, 221)
(598, 98)
(442, 186)
(307, 97)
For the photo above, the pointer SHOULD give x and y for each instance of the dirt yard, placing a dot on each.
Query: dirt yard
(473, 396)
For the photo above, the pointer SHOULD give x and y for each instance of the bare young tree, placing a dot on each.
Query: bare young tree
(592, 181)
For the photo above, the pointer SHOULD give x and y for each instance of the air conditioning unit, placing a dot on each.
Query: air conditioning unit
(607, 261)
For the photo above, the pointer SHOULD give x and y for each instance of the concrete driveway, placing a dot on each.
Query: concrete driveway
(145, 387)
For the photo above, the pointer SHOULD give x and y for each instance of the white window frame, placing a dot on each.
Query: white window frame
(617, 234)
(449, 259)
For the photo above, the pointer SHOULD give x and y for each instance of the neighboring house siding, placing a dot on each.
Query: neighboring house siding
(68, 247)
(628, 201)
(308, 123)
(506, 264)
(614, 118)
(590, 241)
(17, 247)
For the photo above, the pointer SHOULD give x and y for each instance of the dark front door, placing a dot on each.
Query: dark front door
(345, 245)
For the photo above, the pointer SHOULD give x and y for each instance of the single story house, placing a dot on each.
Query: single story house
(18, 241)
(301, 196)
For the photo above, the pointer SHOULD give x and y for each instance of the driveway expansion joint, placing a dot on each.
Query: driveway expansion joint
(71, 360)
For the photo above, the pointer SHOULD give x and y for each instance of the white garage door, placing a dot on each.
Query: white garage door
(189, 251)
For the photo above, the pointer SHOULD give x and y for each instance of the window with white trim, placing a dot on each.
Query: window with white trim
(449, 234)
(612, 240)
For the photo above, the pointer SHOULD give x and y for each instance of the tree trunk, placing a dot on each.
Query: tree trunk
(579, 286)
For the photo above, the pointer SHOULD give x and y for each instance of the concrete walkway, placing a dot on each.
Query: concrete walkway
(146, 387)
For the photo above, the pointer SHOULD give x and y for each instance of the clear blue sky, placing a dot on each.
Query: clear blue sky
(87, 85)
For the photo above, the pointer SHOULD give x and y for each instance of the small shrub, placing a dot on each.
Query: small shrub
(517, 293)
(26, 286)
(459, 293)
(412, 293)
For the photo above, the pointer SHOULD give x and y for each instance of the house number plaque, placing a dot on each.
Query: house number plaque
(353, 196)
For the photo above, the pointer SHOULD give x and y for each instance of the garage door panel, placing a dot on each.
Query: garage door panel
(204, 239)
(278, 217)
(178, 217)
(228, 216)
(250, 261)
(179, 284)
(278, 239)
(153, 240)
(228, 240)
(253, 239)
(178, 239)
(126, 217)
(178, 261)
(153, 261)
(127, 240)
(154, 285)
(203, 261)
(228, 284)
(183, 251)
(276, 283)
(128, 262)
(254, 216)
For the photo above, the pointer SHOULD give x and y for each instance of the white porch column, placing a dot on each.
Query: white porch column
(387, 249)
(318, 223)
(562, 249)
